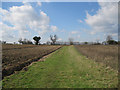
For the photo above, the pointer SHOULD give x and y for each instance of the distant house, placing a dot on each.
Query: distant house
(76, 43)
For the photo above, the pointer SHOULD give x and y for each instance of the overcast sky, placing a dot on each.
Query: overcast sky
(82, 21)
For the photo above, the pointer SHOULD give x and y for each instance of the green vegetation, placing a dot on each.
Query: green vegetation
(65, 68)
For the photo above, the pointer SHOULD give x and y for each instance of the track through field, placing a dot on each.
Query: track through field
(64, 68)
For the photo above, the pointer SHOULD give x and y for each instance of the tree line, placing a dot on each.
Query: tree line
(53, 38)
(37, 40)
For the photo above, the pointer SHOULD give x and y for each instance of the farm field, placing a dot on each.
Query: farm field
(15, 57)
(64, 68)
(107, 54)
(10, 46)
(59, 44)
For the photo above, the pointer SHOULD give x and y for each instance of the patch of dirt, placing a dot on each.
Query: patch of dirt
(40, 60)
(24, 66)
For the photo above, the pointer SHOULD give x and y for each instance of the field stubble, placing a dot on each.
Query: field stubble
(107, 54)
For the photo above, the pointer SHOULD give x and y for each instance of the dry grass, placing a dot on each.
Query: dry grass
(107, 54)
(16, 57)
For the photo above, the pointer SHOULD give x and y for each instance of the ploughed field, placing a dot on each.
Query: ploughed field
(9, 46)
(106, 54)
(15, 57)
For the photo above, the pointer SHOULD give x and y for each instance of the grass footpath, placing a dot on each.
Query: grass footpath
(65, 68)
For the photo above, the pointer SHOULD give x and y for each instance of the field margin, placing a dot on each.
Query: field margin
(11, 70)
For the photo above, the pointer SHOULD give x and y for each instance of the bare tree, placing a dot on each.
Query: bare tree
(24, 41)
(97, 42)
(20, 41)
(48, 42)
(53, 39)
(108, 38)
(3, 42)
(71, 41)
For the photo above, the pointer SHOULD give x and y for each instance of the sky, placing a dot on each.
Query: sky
(82, 21)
